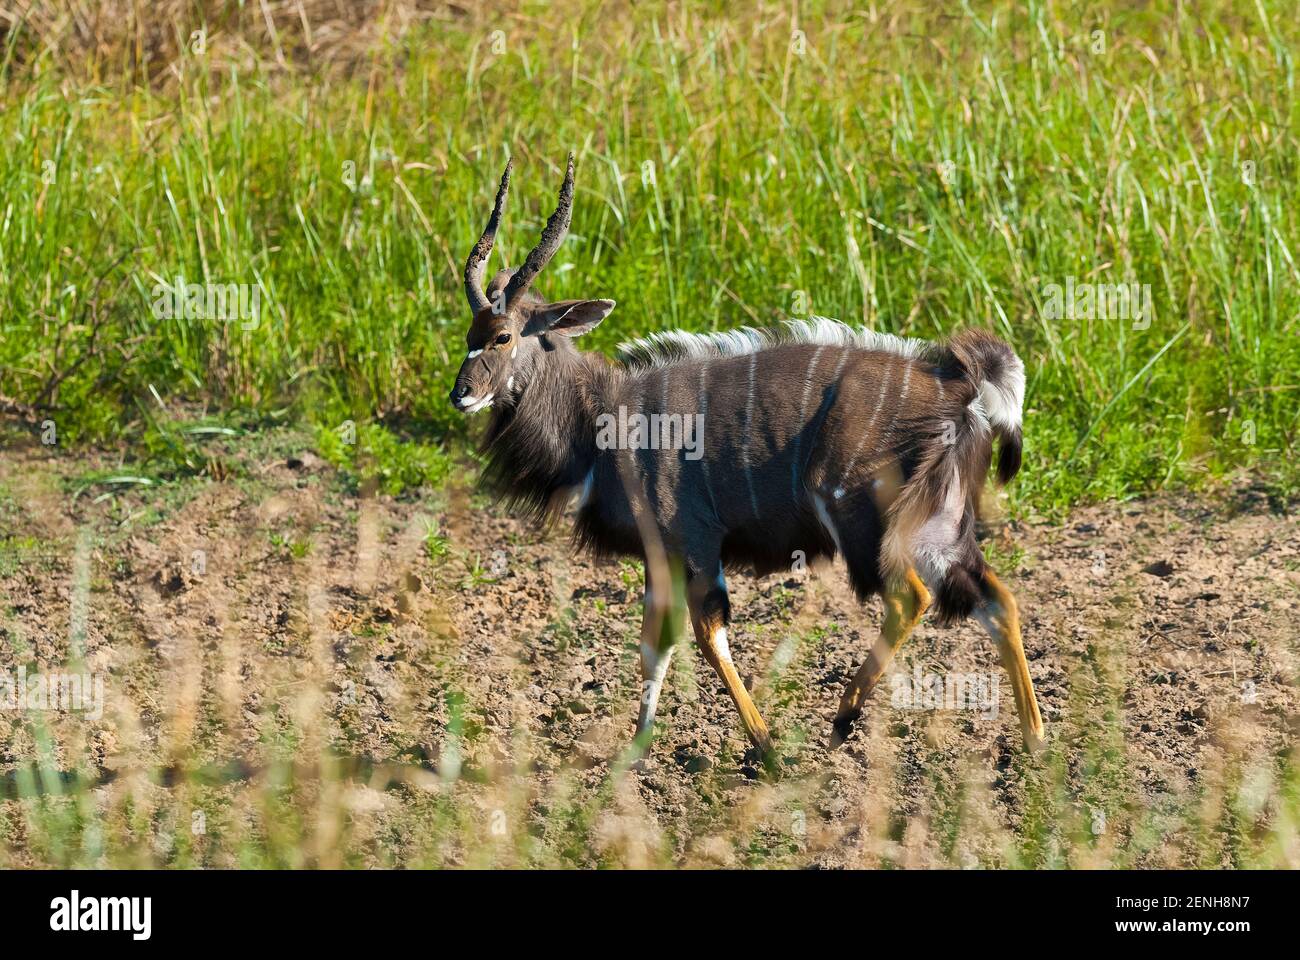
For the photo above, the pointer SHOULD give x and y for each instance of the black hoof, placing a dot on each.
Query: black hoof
(841, 728)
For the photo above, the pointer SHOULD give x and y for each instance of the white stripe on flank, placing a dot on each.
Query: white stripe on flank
(749, 432)
(907, 380)
(844, 358)
(704, 418)
(663, 396)
(880, 402)
(704, 458)
(803, 414)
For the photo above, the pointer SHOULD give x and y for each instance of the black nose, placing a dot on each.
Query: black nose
(457, 392)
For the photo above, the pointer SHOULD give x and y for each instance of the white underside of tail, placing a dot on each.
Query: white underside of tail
(931, 544)
(1003, 400)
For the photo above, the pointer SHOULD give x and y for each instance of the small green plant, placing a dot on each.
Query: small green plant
(1004, 556)
(476, 574)
(289, 546)
(371, 453)
(436, 545)
(15, 551)
(630, 573)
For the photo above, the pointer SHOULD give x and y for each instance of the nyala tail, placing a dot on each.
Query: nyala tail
(931, 525)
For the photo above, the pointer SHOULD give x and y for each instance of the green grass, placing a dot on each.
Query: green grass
(916, 172)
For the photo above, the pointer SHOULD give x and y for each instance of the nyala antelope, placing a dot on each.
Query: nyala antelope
(817, 437)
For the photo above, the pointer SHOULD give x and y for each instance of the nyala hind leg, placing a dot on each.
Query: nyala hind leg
(998, 614)
(905, 604)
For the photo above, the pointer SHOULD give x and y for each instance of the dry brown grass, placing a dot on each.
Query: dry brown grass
(139, 41)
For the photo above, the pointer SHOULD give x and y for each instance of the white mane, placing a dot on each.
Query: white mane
(674, 346)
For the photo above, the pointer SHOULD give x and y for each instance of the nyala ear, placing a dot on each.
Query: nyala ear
(572, 318)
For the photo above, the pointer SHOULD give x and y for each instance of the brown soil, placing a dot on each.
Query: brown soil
(315, 621)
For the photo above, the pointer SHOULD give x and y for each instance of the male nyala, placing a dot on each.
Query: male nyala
(816, 437)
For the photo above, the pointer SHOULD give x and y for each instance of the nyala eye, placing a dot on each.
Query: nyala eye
(503, 338)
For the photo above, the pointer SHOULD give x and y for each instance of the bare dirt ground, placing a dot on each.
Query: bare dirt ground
(477, 698)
